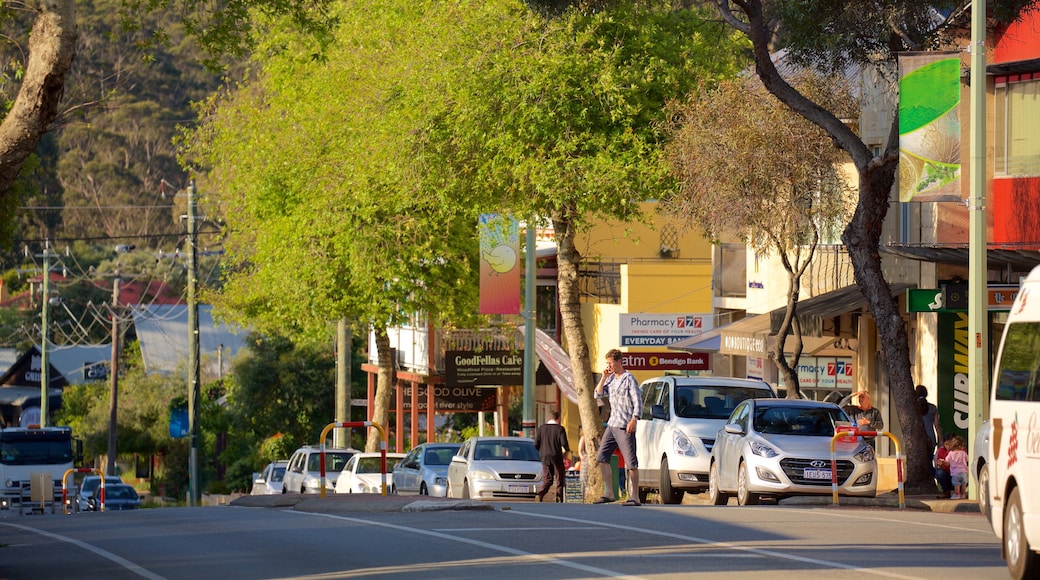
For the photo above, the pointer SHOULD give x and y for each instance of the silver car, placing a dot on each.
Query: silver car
(269, 481)
(495, 468)
(424, 470)
(782, 447)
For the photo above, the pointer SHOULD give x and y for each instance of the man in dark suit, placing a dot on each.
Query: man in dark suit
(551, 441)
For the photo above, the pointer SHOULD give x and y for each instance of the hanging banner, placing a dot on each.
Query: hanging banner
(499, 265)
(929, 127)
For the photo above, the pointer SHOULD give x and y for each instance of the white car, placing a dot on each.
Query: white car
(364, 473)
(782, 447)
(676, 430)
(303, 475)
(424, 470)
(269, 481)
(495, 468)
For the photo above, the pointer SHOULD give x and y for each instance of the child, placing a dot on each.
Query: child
(958, 459)
(942, 467)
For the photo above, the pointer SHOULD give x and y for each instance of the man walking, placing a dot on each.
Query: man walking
(622, 389)
(551, 441)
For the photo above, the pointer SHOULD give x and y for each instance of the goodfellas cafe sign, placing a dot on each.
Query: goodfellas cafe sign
(489, 367)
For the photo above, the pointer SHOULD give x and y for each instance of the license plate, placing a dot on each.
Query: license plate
(525, 488)
(817, 473)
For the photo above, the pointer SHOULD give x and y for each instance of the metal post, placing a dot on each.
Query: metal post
(343, 346)
(193, 350)
(529, 330)
(978, 341)
(45, 362)
(113, 392)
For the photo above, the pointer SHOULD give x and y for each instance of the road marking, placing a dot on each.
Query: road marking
(552, 528)
(987, 532)
(487, 545)
(723, 545)
(103, 553)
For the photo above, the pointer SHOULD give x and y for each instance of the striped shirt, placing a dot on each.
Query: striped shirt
(625, 404)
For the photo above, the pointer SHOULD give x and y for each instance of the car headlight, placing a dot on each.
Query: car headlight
(762, 450)
(363, 488)
(440, 481)
(865, 455)
(481, 475)
(683, 445)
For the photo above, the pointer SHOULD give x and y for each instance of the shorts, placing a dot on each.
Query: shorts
(959, 479)
(618, 438)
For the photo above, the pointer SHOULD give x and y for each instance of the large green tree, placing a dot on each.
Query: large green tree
(562, 116)
(830, 36)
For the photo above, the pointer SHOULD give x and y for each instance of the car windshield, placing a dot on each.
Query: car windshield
(120, 492)
(712, 402)
(374, 464)
(277, 474)
(441, 456)
(804, 421)
(334, 461)
(505, 451)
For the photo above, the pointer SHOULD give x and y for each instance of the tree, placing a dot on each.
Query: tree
(829, 36)
(562, 117)
(333, 218)
(228, 29)
(750, 166)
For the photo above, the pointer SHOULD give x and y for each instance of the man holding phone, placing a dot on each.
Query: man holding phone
(622, 390)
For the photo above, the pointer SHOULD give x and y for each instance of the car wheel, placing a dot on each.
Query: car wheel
(643, 494)
(668, 495)
(984, 491)
(465, 489)
(744, 497)
(423, 490)
(1022, 561)
(393, 490)
(714, 493)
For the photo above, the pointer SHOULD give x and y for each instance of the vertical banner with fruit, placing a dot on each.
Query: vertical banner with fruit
(499, 265)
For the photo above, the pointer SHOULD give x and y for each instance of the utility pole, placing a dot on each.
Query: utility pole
(193, 349)
(113, 376)
(45, 362)
(530, 364)
(343, 348)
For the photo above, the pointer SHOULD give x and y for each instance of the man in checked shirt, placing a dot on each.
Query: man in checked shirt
(621, 388)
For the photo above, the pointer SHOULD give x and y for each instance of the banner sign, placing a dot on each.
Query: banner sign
(489, 367)
(453, 399)
(662, 329)
(929, 127)
(499, 265)
(824, 372)
(666, 361)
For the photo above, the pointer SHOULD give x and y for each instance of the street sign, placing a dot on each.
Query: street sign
(954, 298)
(924, 300)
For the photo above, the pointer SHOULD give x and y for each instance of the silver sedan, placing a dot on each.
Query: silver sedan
(495, 468)
(424, 470)
(782, 447)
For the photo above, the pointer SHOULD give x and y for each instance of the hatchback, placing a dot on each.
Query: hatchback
(303, 474)
(424, 470)
(782, 447)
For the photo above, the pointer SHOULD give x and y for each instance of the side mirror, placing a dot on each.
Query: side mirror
(458, 459)
(77, 454)
(734, 428)
(658, 412)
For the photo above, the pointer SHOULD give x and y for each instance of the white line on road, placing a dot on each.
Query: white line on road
(486, 545)
(553, 528)
(723, 545)
(104, 554)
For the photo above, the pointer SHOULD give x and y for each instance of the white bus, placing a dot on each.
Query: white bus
(1014, 490)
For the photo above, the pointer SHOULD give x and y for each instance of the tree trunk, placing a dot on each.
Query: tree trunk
(384, 389)
(52, 45)
(568, 259)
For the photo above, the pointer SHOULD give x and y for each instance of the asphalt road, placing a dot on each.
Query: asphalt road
(359, 538)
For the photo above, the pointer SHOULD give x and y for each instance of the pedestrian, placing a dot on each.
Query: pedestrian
(930, 417)
(942, 468)
(551, 441)
(621, 389)
(958, 459)
(866, 416)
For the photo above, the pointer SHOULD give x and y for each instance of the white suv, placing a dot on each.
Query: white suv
(677, 428)
(303, 475)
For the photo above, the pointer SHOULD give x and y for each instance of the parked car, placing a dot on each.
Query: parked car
(303, 474)
(269, 482)
(980, 466)
(495, 468)
(118, 496)
(782, 447)
(677, 427)
(364, 473)
(424, 470)
(89, 487)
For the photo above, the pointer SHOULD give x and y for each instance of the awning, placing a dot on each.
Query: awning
(812, 312)
(1016, 259)
(747, 336)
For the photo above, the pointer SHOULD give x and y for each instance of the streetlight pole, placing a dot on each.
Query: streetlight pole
(193, 349)
(530, 364)
(45, 362)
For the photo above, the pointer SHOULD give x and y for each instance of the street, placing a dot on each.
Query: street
(512, 541)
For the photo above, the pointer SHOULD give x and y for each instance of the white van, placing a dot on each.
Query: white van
(1014, 465)
(677, 427)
